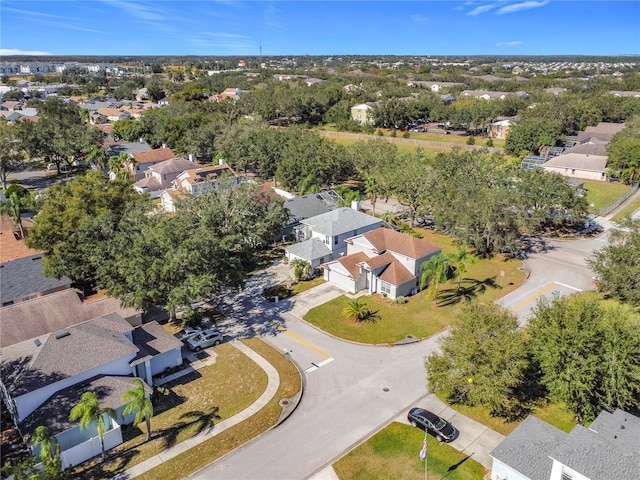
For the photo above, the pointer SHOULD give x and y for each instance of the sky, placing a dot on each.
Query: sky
(327, 28)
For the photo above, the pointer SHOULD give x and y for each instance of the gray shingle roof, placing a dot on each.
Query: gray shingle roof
(152, 339)
(32, 364)
(22, 277)
(340, 221)
(306, 206)
(54, 413)
(527, 448)
(309, 249)
(578, 161)
(609, 448)
(26, 320)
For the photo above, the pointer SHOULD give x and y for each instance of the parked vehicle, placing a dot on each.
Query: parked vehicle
(432, 423)
(187, 333)
(205, 339)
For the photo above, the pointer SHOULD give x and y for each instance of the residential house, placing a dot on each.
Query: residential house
(604, 131)
(381, 261)
(490, 95)
(302, 207)
(23, 279)
(170, 197)
(11, 238)
(322, 238)
(163, 102)
(435, 87)
(46, 374)
(501, 127)
(204, 178)
(160, 176)
(141, 161)
(142, 94)
(588, 167)
(621, 93)
(448, 99)
(608, 448)
(228, 93)
(114, 114)
(362, 113)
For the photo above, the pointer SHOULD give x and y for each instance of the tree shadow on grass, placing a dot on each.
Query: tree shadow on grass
(470, 288)
(202, 421)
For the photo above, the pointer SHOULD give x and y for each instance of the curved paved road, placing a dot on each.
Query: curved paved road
(354, 390)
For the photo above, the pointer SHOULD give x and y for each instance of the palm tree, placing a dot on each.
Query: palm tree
(355, 309)
(460, 260)
(301, 269)
(13, 207)
(117, 165)
(308, 185)
(371, 191)
(140, 404)
(434, 272)
(89, 411)
(48, 444)
(98, 155)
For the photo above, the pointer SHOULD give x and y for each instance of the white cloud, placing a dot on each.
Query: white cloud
(138, 10)
(224, 35)
(16, 51)
(419, 18)
(509, 44)
(482, 9)
(516, 7)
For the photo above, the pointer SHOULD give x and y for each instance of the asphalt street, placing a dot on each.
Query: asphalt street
(354, 390)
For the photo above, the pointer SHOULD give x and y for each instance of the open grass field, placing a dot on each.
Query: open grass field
(393, 453)
(421, 315)
(196, 402)
(602, 194)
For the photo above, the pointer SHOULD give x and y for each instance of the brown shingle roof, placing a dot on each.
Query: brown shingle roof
(152, 156)
(351, 262)
(12, 248)
(384, 239)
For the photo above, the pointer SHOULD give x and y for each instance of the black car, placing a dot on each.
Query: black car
(432, 423)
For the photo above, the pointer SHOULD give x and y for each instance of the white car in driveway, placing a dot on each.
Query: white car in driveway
(205, 339)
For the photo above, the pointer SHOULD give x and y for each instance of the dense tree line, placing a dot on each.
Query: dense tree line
(576, 350)
(102, 233)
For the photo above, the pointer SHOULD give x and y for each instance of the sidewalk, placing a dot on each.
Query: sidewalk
(267, 395)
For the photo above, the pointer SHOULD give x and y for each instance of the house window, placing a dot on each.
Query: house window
(385, 288)
(327, 240)
(335, 241)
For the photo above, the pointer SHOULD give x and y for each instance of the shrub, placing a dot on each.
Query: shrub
(471, 140)
(400, 300)
(406, 134)
(393, 133)
(490, 142)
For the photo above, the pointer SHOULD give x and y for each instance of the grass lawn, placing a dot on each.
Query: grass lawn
(628, 210)
(196, 402)
(553, 413)
(601, 194)
(420, 316)
(393, 452)
(214, 448)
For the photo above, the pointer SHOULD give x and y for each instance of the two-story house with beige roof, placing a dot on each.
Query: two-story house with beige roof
(381, 261)
(160, 176)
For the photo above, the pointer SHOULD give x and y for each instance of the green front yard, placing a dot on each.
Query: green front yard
(196, 402)
(393, 452)
(420, 316)
(602, 194)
